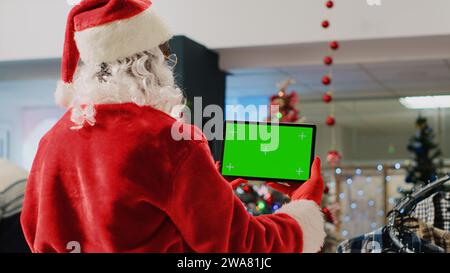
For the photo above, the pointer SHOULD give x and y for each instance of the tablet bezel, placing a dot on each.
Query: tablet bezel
(305, 125)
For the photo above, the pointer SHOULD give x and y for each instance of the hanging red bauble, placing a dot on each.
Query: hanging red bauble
(328, 215)
(327, 97)
(328, 60)
(330, 4)
(333, 157)
(334, 45)
(326, 80)
(325, 23)
(331, 121)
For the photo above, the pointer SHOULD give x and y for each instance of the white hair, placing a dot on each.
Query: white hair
(144, 79)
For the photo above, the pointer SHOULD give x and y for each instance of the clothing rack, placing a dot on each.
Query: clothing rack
(405, 207)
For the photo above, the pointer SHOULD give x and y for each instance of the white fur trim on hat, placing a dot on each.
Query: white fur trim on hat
(310, 218)
(121, 39)
(64, 94)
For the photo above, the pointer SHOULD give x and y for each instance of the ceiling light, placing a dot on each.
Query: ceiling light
(426, 102)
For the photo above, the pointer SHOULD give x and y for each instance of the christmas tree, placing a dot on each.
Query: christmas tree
(427, 153)
(283, 105)
(260, 199)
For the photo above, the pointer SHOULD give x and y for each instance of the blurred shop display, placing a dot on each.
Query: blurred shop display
(4, 143)
(427, 156)
(12, 189)
(409, 229)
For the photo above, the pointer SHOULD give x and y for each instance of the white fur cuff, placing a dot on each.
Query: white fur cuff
(310, 218)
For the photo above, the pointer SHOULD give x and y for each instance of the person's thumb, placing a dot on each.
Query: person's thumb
(316, 170)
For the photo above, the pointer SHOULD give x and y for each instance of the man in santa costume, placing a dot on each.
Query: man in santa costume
(111, 177)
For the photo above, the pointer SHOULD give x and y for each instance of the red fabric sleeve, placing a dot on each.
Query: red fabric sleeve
(211, 218)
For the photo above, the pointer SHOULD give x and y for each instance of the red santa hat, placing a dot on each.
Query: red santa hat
(100, 31)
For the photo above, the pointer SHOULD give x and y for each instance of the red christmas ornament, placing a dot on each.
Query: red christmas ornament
(325, 23)
(247, 188)
(326, 80)
(330, 4)
(328, 215)
(327, 97)
(331, 121)
(334, 45)
(333, 157)
(328, 60)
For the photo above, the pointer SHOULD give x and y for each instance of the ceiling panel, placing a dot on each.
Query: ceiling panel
(314, 74)
(255, 80)
(420, 87)
(411, 73)
(389, 79)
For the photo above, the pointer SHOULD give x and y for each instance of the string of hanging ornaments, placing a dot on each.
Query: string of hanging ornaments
(333, 157)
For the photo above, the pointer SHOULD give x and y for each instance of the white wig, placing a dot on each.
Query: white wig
(143, 79)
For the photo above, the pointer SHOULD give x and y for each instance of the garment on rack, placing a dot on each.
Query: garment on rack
(11, 199)
(442, 211)
(12, 188)
(428, 233)
(435, 210)
(368, 243)
(378, 241)
(434, 235)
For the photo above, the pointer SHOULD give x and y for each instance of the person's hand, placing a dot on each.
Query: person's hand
(237, 182)
(310, 190)
(234, 183)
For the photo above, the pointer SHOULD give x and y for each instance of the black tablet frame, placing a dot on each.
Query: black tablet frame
(305, 125)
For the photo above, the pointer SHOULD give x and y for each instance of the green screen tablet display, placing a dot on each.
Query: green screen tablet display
(264, 151)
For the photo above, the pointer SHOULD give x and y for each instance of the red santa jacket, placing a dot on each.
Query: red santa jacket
(125, 185)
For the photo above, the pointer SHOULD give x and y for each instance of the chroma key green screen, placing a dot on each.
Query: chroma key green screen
(262, 151)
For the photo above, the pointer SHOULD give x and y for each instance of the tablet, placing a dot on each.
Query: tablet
(268, 151)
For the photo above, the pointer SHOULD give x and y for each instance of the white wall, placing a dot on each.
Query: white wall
(32, 29)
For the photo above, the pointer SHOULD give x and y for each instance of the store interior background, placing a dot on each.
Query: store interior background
(401, 48)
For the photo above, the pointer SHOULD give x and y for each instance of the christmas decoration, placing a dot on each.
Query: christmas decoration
(334, 45)
(331, 121)
(175, 199)
(326, 80)
(334, 158)
(328, 60)
(286, 103)
(327, 97)
(330, 4)
(329, 217)
(331, 211)
(427, 156)
(260, 199)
